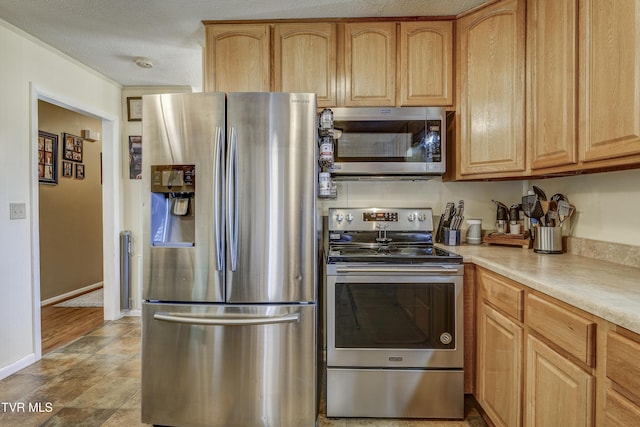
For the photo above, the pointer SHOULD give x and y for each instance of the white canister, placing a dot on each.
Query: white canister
(474, 232)
(324, 181)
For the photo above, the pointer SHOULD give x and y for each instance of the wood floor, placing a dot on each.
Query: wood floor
(61, 325)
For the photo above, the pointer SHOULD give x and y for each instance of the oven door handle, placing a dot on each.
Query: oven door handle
(398, 270)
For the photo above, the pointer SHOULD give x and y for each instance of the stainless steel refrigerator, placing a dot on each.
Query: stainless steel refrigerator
(230, 260)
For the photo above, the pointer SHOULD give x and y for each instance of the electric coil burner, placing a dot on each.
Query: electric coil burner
(394, 317)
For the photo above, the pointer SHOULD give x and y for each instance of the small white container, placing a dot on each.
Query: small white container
(324, 181)
(514, 228)
(474, 232)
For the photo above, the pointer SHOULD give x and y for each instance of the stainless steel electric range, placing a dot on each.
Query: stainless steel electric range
(394, 317)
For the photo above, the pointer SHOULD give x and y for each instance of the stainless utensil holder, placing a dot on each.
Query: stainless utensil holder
(451, 237)
(548, 240)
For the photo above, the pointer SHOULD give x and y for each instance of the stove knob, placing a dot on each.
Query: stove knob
(445, 338)
(349, 217)
(339, 217)
(422, 217)
(411, 217)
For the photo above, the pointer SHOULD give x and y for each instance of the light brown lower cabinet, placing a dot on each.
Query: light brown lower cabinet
(499, 366)
(541, 362)
(620, 412)
(622, 402)
(558, 392)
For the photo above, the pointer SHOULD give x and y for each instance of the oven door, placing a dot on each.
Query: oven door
(395, 316)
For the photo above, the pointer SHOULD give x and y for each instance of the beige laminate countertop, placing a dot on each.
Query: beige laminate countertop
(605, 289)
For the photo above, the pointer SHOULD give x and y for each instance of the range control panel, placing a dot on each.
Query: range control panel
(380, 216)
(373, 219)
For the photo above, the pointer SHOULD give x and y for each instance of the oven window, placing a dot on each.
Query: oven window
(383, 315)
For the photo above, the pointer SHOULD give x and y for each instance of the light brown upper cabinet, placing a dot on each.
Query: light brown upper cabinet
(490, 117)
(305, 60)
(237, 58)
(347, 64)
(426, 63)
(370, 64)
(583, 68)
(609, 80)
(552, 82)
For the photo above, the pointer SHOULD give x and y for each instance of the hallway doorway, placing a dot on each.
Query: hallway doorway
(70, 222)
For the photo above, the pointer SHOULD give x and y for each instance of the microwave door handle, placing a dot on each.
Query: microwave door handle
(218, 199)
(232, 197)
(226, 321)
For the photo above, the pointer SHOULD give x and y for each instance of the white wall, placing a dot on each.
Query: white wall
(30, 69)
(431, 193)
(607, 204)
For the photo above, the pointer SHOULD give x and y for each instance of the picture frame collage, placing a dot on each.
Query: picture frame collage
(72, 157)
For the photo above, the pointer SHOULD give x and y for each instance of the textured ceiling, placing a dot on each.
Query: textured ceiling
(107, 35)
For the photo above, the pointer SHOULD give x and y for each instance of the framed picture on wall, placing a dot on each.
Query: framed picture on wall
(79, 171)
(67, 169)
(47, 158)
(72, 148)
(134, 108)
(135, 157)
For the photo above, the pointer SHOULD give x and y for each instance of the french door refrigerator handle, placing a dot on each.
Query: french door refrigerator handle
(218, 176)
(232, 197)
(226, 321)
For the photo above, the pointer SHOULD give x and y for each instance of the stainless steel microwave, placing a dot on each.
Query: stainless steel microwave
(389, 141)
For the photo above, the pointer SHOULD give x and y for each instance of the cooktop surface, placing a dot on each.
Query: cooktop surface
(397, 253)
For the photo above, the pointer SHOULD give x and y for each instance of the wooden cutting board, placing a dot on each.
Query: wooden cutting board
(521, 240)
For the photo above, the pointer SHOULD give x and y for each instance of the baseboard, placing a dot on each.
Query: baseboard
(16, 366)
(71, 294)
(132, 313)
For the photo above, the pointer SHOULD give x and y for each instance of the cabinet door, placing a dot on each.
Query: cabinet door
(237, 58)
(491, 92)
(426, 63)
(552, 123)
(370, 64)
(610, 79)
(499, 366)
(305, 60)
(558, 391)
(620, 412)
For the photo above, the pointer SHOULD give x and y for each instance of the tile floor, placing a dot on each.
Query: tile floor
(95, 381)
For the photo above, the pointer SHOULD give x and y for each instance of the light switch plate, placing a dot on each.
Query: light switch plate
(17, 210)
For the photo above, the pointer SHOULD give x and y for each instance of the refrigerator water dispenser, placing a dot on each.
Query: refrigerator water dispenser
(173, 205)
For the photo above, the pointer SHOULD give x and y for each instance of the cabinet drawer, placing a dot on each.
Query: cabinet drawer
(623, 362)
(570, 332)
(502, 293)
